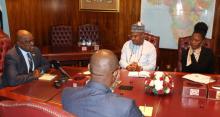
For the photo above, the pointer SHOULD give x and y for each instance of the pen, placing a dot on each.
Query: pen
(216, 87)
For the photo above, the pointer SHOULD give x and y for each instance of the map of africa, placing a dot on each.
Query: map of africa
(171, 19)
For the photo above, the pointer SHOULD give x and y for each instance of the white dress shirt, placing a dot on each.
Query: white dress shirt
(145, 55)
(24, 53)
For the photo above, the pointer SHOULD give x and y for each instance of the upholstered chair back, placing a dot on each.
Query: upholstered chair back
(184, 43)
(155, 40)
(61, 36)
(5, 45)
(89, 32)
(30, 109)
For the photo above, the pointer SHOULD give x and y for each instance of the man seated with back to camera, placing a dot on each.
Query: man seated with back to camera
(24, 62)
(197, 58)
(138, 54)
(96, 99)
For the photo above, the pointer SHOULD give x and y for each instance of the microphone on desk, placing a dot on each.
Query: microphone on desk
(56, 65)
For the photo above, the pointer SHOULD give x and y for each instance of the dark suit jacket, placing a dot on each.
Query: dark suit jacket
(1, 84)
(15, 69)
(205, 63)
(96, 100)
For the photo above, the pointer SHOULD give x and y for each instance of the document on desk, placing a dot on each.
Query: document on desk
(86, 73)
(144, 74)
(199, 78)
(47, 77)
(138, 74)
(146, 110)
(133, 74)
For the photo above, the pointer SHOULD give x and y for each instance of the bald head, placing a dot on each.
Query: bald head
(103, 62)
(25, 40)
(22, 34)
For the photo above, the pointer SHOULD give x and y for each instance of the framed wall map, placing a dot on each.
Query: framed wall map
(99, 5)
(180, 17)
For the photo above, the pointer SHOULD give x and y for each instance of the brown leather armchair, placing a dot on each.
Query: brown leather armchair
(30, 109)
(5, 45)
(183, 43)
(61, 36)
(89, 32)
(155, 40)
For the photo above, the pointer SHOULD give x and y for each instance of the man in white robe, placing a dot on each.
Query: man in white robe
(138, 54)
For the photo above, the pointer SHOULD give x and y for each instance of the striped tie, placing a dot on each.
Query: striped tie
(30, 60)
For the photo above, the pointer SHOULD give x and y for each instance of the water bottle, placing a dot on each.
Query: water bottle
(83, 42)
(89, 42)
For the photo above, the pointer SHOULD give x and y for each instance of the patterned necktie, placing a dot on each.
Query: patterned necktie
(30, 60)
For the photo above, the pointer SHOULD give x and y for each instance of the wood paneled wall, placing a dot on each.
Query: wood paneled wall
(38, 16)
(216, 29)
(216, 35)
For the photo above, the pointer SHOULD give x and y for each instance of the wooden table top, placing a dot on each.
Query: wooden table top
(170, 105)
(38, 90)
(163, 106)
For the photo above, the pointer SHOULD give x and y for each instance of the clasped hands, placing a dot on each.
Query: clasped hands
(134, 67)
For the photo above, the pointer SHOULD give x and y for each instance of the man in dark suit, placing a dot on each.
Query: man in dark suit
(196, 58)
(96, 98)
(24, 62)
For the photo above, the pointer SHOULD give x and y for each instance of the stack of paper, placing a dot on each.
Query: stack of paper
(199, 78)
(47, 77)
(146, 110)
(216, 87)
(86, 73)
(139, 74)
(133, 74)
(144, 74)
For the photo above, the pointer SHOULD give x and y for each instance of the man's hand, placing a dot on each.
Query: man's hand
(130, 68)
(134, 67)
(36, 73)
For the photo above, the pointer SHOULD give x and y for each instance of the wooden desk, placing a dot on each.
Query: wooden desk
(41, 91)
(38, 90)
(163, 106)
(72, 53)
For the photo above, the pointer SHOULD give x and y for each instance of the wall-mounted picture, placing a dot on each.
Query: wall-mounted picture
(99, 5)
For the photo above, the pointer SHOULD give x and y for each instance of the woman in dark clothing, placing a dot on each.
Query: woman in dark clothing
(196, 58)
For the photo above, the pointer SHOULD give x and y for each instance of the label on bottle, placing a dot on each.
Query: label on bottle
(194, 92)
(84, 48)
